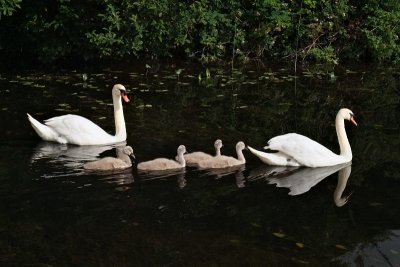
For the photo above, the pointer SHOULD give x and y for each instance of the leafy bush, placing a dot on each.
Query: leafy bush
(322, 30)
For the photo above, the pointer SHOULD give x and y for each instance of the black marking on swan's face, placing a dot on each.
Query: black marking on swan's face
(124, 95)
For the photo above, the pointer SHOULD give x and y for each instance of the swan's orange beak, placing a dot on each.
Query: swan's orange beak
(353, 121)
(125, 96)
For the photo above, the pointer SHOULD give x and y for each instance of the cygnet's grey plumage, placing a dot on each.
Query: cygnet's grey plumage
(225, 161)
(161, 164)
(122, 161)
(193, 159)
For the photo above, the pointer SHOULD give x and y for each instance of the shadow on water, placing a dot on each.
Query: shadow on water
(55, 213)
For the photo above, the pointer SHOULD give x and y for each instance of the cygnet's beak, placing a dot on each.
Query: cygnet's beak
(133, 156)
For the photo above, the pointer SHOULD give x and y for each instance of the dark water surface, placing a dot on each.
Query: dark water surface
(53, 213)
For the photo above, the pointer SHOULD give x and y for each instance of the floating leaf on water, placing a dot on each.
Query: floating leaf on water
(280, 235)
(394, 251)
(219, 95)
(182, 83)
(27, 83)
(148, 106)
(102, 118)
(244, 106)
(375, 204)
(341, 247)
(300, 245)
(300, 261)
(148, 66)
(179, 71)
(4, 109)
(256, 225)
(234, 241)
(169, 77)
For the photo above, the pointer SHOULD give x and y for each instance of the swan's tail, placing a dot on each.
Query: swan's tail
(264, 157)
(45, 132)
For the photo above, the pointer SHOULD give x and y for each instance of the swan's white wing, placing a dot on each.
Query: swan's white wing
(304, 150)
(279, 159)
(79, 130)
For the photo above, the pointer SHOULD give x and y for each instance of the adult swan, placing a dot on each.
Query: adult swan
(298, 150)
(77, 130)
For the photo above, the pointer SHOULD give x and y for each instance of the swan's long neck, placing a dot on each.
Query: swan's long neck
(181, 159)
(345, 149)
(120, 128)
(240, 155)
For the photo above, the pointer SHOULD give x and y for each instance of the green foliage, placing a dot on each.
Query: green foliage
(8, 7)
(321, 30)
(382, 33)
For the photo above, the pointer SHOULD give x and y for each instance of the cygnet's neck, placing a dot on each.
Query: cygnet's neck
(123, 156)
(217, 151)
(181, 159)
(240, 155)
(345, 149)
(120, 128)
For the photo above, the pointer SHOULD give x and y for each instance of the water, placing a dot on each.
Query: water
(53, 213)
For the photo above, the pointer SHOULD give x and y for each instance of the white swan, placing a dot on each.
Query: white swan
(74, 129)
(122, 161)
(225, 161)
(193, 159)
(299, 150)
(161, 164)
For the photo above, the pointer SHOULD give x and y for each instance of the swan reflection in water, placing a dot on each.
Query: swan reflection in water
(299, 180)
(60, 160)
